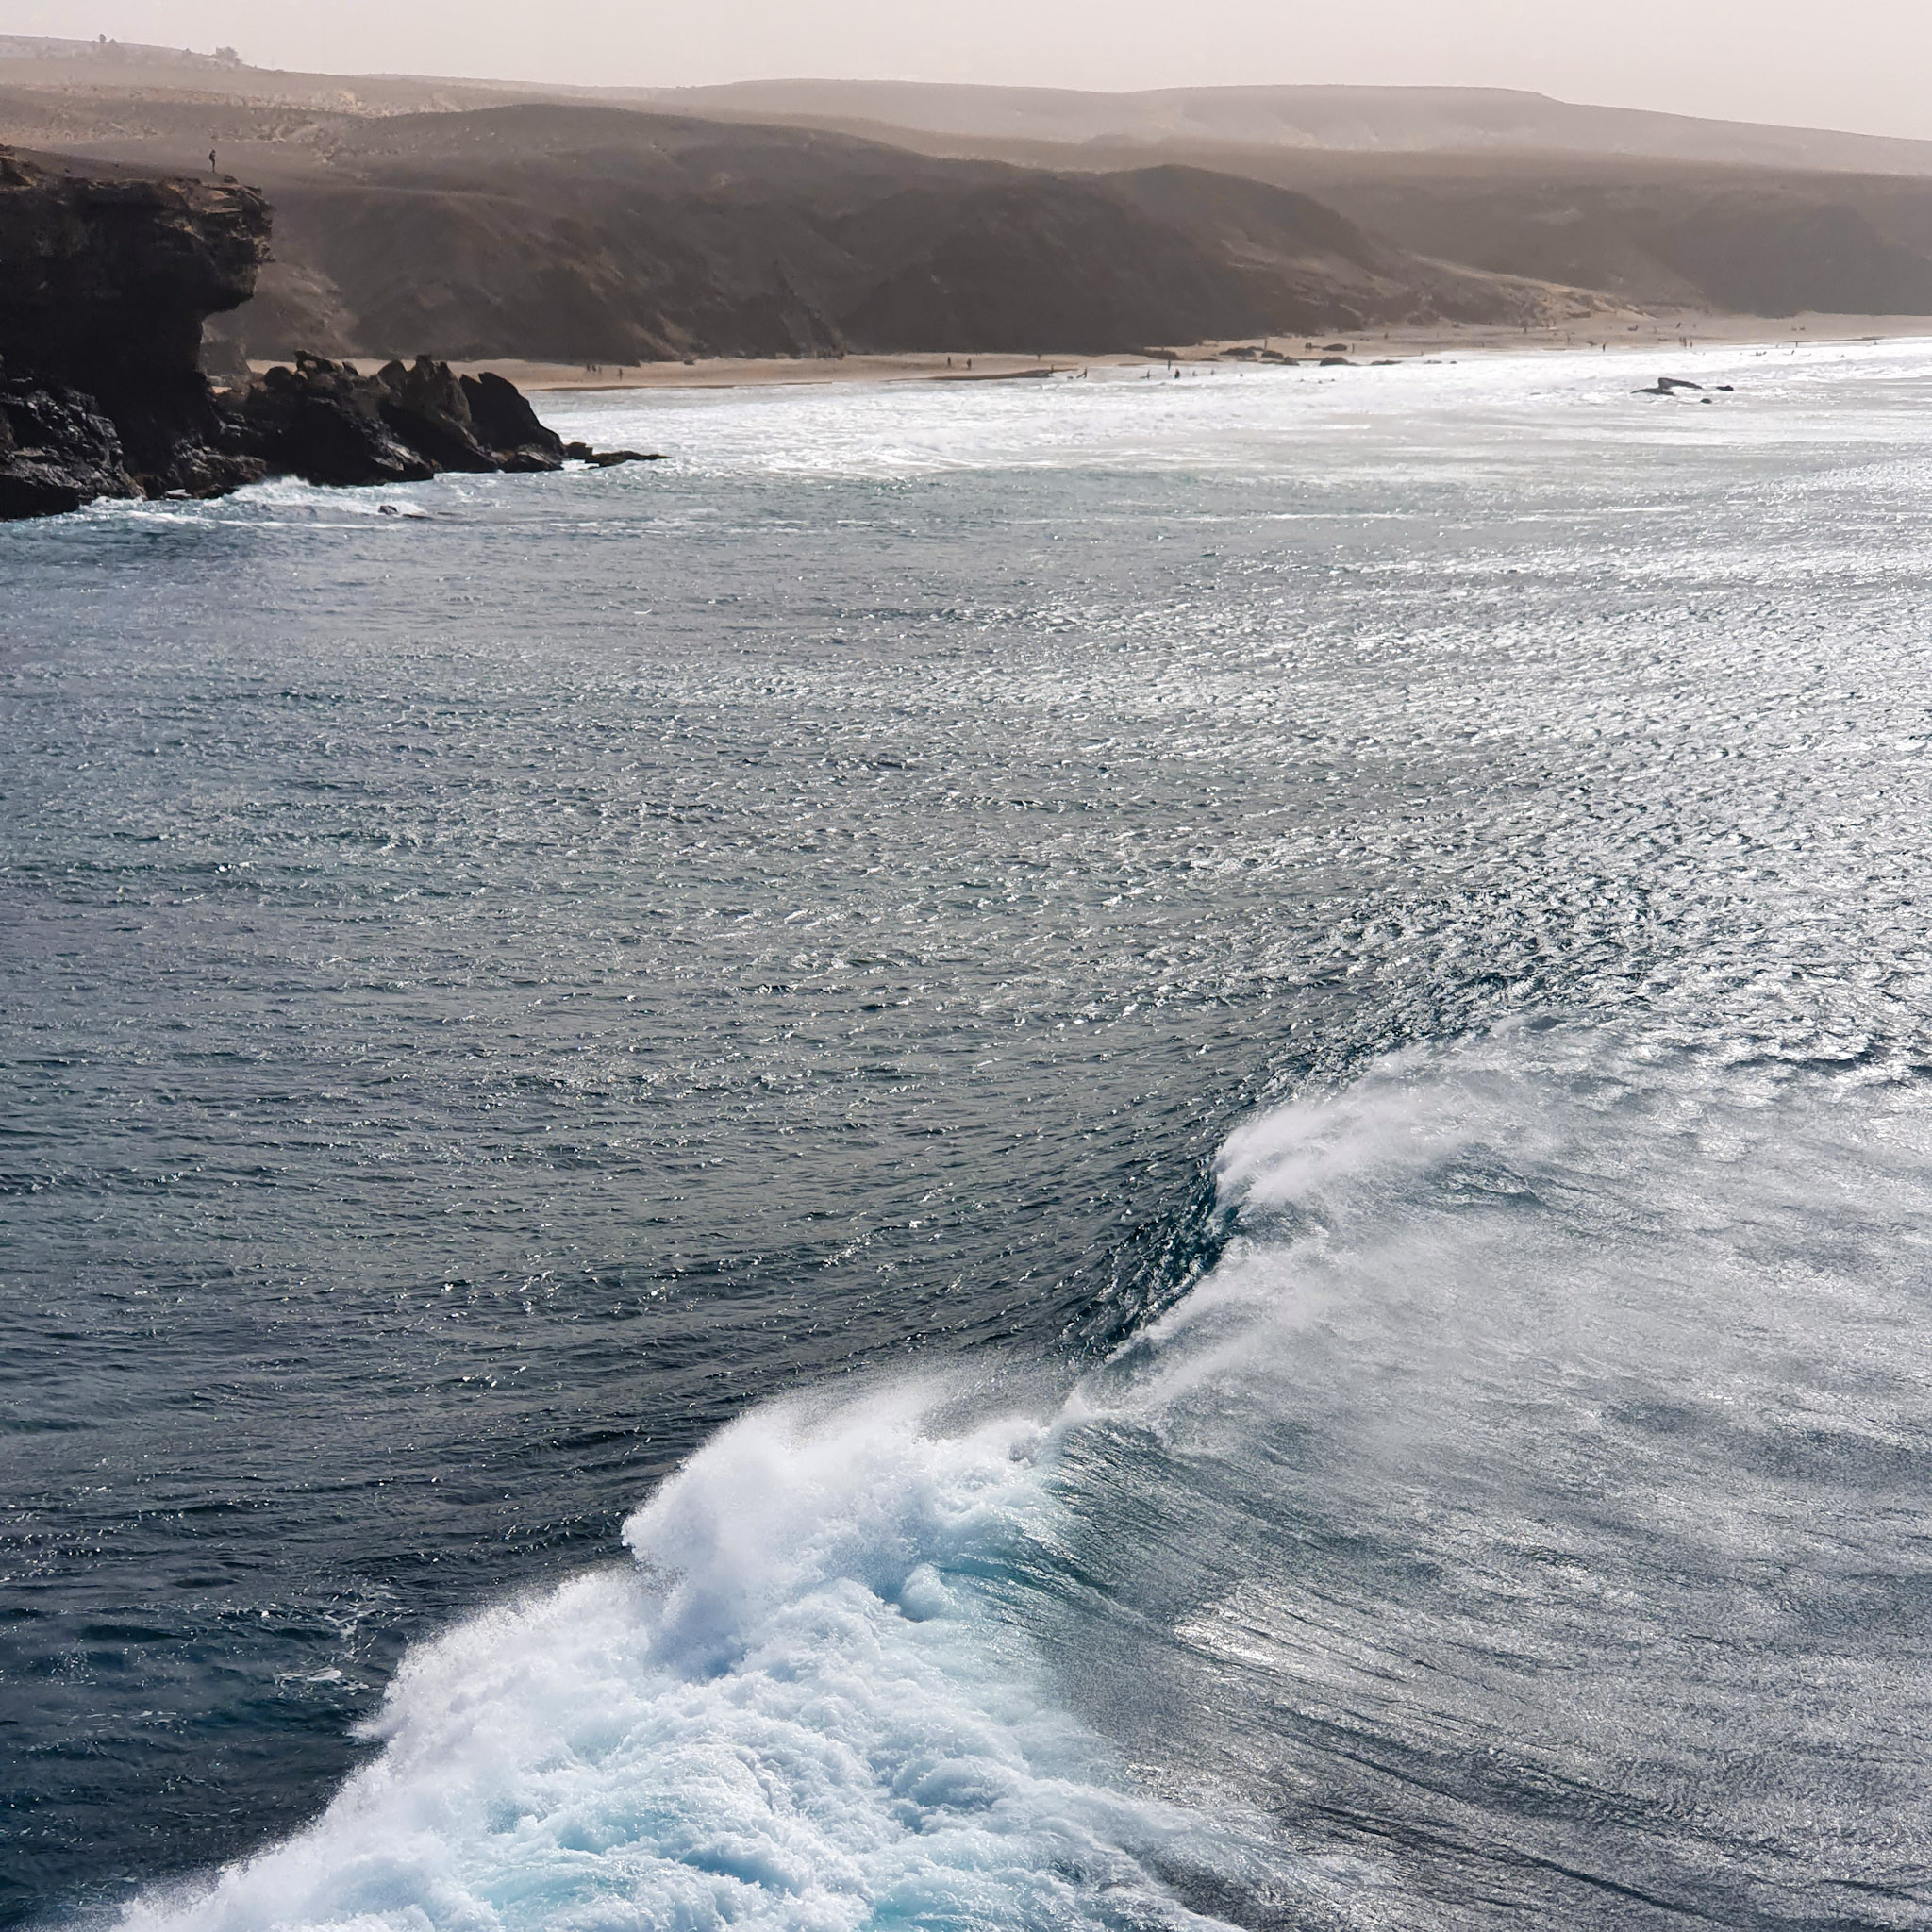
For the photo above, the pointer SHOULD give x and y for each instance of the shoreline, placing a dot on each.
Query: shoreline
(1622, 332)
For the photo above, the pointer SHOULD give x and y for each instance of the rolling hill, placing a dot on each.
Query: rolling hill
(574, 233)
(476, 218)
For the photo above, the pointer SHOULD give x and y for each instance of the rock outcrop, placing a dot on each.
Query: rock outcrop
(57, 451)
(104, 287)
(505, 422)
(106, 282)
(326, 422)
(323, 422)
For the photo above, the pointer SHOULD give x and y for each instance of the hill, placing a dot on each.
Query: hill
(1340, 118)
(574, 233)
(1651, 234)
(1368, 119)
(486, 218)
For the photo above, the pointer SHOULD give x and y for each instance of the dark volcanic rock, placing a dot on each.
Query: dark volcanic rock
(326, 422)
(57, 452)
(507, 423)
(108, 280)
(429, 408)
(107, 283)
(323, 422)
(610, 458)
(105, 287)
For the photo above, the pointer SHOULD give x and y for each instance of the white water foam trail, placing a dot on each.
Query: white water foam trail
(790, 1713)
(1553, 1358)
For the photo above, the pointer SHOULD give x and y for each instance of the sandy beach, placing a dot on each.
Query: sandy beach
(1608, 332)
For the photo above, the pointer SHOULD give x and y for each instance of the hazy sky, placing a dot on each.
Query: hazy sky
(1861, 64)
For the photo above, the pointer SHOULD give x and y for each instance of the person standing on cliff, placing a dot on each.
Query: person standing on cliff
(212, 169)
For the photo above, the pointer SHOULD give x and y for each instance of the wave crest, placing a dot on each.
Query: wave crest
(793, 1710)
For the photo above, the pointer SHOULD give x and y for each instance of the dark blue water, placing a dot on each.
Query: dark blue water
(1337, 974)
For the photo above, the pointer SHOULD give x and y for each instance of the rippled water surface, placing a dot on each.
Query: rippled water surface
(1269, 1033)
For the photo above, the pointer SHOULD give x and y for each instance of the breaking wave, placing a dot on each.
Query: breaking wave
(1513, 1520)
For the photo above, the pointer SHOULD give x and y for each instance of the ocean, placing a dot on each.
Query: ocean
(1109, 1153)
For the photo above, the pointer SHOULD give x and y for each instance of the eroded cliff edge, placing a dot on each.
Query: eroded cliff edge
(108, 281)
(105, 283)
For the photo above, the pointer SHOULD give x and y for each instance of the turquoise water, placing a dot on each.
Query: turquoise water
(1258, 1041)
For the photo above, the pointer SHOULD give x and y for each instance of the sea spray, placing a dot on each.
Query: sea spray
(792, 1711)
(1532, 1497)
(1463, 1512)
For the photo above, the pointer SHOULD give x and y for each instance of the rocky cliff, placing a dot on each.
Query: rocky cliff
(105, 283)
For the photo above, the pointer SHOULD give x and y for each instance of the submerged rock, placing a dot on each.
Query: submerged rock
(607, 458)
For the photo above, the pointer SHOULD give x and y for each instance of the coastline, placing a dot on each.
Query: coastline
(1614, 331)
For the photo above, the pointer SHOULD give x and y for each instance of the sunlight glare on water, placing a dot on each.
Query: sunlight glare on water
(1088, 1153)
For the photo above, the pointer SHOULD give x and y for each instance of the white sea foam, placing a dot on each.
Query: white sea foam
(1481, 1273)
(791, 1712)
(1414, 420)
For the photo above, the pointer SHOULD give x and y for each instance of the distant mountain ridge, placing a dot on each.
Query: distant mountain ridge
(1346, 118)
(487, 219)
(1349, 119)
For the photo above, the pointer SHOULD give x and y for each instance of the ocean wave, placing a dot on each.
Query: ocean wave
(792, 1709)
(1436, 1556)
(1530, 1489)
